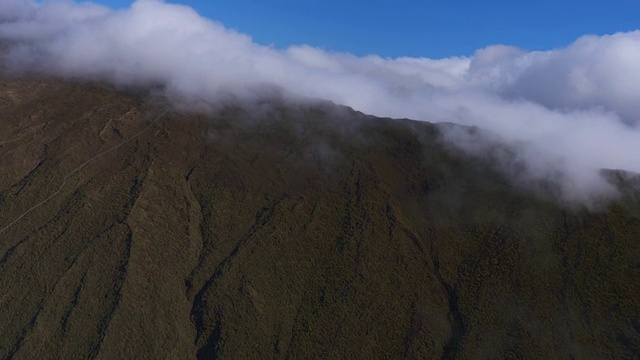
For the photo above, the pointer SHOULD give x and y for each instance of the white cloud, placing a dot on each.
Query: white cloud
(572, 111)
(591, 72)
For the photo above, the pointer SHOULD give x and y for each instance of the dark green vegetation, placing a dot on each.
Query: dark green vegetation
(289, 232)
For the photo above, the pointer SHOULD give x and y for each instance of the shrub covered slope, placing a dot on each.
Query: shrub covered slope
(288, 231)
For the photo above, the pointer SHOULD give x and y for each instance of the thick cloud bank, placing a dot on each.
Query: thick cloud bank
(570, 111)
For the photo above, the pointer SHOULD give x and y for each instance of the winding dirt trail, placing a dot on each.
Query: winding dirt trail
(66, 178)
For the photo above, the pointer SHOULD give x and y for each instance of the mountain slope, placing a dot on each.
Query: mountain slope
(287, 231)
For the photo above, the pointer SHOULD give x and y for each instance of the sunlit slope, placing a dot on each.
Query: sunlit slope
(280, 231)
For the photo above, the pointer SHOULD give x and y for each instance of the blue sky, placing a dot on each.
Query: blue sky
(418, 28)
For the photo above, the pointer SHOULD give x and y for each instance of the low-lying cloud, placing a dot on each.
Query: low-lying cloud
(571, 111)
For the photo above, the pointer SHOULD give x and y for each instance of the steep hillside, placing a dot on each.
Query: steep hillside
(129, 230)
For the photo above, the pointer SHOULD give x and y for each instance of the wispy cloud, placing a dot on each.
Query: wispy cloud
(571, 111)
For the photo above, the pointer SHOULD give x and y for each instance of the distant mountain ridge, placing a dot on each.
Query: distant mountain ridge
(289, 231)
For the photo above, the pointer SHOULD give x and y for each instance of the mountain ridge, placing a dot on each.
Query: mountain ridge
(289, 231)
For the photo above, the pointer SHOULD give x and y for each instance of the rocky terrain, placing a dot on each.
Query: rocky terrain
(129, 229)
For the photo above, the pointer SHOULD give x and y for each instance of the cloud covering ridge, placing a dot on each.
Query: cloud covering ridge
(572, 111)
